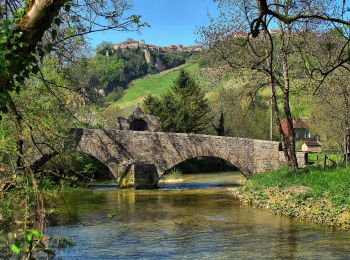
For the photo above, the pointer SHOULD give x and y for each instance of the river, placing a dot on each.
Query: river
(196, 219)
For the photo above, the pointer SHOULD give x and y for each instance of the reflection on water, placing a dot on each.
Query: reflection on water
(191, 220)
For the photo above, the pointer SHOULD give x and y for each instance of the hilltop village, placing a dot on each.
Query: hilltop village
(133, 44)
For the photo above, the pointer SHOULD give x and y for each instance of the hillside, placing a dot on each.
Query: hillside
(155, 85)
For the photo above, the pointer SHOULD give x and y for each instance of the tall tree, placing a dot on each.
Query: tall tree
(183, 108)
(220, 127)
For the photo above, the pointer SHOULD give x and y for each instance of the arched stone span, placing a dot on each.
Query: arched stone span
(121, 149)
(204, 164)
(235, 162)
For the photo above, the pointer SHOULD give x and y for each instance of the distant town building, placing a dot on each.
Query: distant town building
(129, 43)
(133, 44)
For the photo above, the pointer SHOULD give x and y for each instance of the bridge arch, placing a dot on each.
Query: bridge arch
(77, 161)
(233, 163)
(204, 164)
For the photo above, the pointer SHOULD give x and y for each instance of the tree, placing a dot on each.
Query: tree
(244, 117)
(105, 73)
(183, 108)
(241, 38)
(220, 128)
(152, 105)
(331, 110)
(31, 29)
(105, 49)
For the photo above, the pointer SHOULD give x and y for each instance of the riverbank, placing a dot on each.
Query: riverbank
(317, 195)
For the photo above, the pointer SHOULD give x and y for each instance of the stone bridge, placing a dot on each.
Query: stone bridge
(139, 158)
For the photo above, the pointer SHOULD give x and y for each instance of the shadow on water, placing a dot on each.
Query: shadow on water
(189, 186)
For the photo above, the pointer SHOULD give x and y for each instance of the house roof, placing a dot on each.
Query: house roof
(297, 123)
(313, 143)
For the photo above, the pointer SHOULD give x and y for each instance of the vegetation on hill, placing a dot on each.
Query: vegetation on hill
(110, 69)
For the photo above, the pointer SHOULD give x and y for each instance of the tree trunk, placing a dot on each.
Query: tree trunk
(274, 103)
(289, 138)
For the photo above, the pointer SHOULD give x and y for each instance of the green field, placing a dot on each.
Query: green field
(154, 85)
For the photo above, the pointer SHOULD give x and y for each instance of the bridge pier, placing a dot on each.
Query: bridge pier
(139, 176)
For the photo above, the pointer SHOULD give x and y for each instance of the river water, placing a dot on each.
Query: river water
(196, 219)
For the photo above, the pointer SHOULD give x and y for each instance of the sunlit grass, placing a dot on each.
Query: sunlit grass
(331, 183)
(154, 85)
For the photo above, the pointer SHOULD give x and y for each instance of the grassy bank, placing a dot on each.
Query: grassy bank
(321, 196)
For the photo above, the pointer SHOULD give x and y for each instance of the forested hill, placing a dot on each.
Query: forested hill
(112, 70)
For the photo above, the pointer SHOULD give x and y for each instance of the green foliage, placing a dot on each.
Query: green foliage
(44, 112)
(244, 117)
(152, 105)
(114, 95)
(29, 243)
(105, 72)
(63, 242)
(76, 167)
(105, 49)
(183, 108)
(17, 58)
(114, 69)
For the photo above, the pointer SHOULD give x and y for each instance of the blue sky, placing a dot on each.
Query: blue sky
(171, 21)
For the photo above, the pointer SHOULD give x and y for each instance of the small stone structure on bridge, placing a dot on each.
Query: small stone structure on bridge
(139, 121)
(139, 158)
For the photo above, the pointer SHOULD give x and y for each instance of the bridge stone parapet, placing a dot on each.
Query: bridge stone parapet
(124, 152)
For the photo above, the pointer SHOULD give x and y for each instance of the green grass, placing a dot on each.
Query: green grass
(333, 184)
(333, 156)
(154, 85)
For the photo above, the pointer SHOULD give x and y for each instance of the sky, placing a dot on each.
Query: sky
(171, 22)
